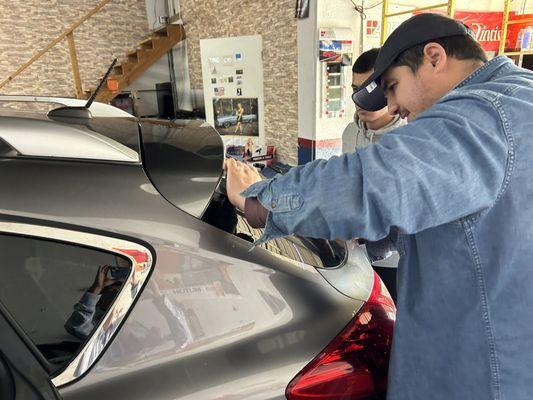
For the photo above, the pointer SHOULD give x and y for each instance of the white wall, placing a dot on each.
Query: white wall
(335, 14)
(154, 9)
(307, 73)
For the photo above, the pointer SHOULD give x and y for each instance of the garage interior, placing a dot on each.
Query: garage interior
(138, 195)
(161, 72)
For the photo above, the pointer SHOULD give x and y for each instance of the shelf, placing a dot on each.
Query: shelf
(518, 53)
(528, 20)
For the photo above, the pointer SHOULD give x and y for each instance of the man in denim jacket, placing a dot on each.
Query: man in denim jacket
(456, 183)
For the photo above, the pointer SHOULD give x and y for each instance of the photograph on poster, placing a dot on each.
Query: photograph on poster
(238, 56)
(241, 148)
(239, 92)
(230, 79)
(239, 82)
(336, 51)
(239, 72)
(213, 80)
(227, 60)
(213, 63)
(236, 116)
(220, 91)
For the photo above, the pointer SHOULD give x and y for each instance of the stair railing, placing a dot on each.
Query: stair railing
(69, 35)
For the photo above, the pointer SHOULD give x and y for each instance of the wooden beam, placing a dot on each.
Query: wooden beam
(54, 42)
(74, 65)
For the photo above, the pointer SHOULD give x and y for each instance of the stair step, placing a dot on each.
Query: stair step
(119, 69)
(133, 56)
(138, 60)
(148, 43)
(163, 31)
(136, 55)
(115, 77)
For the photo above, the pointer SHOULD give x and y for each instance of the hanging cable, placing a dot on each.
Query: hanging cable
(360, 8)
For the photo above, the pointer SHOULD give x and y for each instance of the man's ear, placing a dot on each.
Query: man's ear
(436, 55)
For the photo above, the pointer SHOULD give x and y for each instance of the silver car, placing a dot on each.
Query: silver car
(127, 274)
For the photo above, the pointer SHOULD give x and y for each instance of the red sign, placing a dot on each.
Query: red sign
(372, 27)
(486, 25)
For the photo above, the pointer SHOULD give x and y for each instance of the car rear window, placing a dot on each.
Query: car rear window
(318, 253)
(184, 161)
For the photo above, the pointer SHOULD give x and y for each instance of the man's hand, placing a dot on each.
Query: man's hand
(239, 177)
(101, 280)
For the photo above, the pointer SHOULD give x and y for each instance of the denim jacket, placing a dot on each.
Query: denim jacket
(457, 185)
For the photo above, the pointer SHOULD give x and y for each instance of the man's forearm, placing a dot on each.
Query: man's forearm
(255, 213)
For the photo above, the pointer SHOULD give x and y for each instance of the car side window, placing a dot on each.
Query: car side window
(58, 292)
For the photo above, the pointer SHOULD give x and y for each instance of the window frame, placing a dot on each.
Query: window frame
(141, 260)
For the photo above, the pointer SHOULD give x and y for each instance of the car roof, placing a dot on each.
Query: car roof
(35, 134)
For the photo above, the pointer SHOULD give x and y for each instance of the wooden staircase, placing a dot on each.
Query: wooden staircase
(132, 67)
(139, 60)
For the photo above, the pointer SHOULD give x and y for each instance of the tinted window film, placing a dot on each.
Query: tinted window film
(57, 292)
(316, 252)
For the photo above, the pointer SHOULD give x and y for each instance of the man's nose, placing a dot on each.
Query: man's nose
(392, 106)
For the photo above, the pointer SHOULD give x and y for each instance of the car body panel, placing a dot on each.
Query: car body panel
(243, 303)
(97, 109)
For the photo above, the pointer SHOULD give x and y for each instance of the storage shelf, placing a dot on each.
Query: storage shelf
(518, 53)
(528, 20)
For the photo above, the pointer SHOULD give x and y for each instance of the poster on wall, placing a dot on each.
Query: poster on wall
(233, 98)
(336, 51)
(236, 116)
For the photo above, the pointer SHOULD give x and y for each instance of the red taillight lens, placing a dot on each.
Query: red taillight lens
(139, 256)
(354, 365)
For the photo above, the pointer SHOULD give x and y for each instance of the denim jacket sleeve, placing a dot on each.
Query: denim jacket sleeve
(80, 323)
(446, 164)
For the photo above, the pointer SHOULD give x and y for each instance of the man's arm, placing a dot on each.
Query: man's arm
(437, 169)
(80, 323)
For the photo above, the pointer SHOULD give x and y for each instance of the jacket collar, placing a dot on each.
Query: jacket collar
(485, 72)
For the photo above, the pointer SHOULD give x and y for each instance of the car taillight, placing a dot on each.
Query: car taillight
(355, 364)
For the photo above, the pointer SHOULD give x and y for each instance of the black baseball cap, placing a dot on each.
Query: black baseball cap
(416, 30)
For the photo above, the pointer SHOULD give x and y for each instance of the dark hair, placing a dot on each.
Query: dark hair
(365, 62)
(460, 47)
